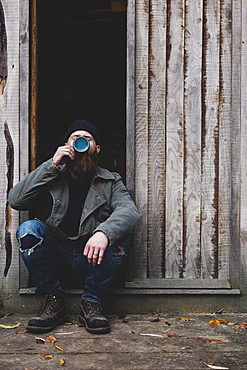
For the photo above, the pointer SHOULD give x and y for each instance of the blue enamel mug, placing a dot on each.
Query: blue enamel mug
(81, 144)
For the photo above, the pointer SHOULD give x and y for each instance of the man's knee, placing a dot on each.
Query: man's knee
(120, 254)
(28, 235)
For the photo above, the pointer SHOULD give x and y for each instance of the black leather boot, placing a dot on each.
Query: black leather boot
(51, 314)
(91, 316)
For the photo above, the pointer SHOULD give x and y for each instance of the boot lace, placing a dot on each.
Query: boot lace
(92, 307)
(48, 305)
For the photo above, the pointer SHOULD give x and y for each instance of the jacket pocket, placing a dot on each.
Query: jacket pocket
(102, 213)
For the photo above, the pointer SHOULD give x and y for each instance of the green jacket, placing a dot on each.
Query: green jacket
(108, 206)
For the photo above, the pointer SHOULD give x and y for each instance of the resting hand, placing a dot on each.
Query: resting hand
(62, 153)
(95, 248)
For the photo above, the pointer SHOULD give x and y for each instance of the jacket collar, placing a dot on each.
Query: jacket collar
(103, 173)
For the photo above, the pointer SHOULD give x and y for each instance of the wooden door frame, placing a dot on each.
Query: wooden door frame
(130, 98)
(33, 85)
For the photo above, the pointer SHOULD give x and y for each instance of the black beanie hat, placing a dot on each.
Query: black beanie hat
(82, 125)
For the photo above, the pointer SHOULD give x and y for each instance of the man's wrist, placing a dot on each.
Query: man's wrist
(103, 233)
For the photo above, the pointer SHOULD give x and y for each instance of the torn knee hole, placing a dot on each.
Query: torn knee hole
(28, 241)
(121, 251)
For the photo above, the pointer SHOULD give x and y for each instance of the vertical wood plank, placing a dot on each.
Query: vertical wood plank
(130, 97)
(156, 168)
(130, 113)
(234, 257)
(174, 140)
(9, 116)
(225, 137)
(243, 158)
(210, 140)
(24, 113)
(33, 96)
(141, 147)
(192, 152)
(234, 20)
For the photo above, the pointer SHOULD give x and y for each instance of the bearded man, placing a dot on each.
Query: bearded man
(80, 233)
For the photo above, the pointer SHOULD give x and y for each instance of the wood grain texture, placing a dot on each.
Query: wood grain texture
(210, 140)
(243, 173)
(130, 98)
(225, 138)
(174, 141)
(141, 135)
(9, 118)
(234, 253)
(192, 136)
(156, 138)
(24, 115)
(130, 113)
(33, 95)
(185, 123)
(187, 162)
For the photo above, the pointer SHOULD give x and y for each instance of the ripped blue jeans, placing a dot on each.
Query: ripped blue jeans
(56, 266)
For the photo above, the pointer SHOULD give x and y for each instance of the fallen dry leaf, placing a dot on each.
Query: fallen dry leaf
(185, 319)
(214, 322)
(212, 366)
(51, 339)
(60, 349)
(9, 326)
(61, 362)
(242, 325)
(157, 319)
(46, 357)
(39, 340)
(217, 322)
(68, 323)
(215, 341)
(173, 335)
(21, 332)
(232, 323)
(200, 340)
(222, 321)
(125, 321)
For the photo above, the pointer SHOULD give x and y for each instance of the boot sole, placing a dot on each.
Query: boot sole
(40, 330)
(103, 330)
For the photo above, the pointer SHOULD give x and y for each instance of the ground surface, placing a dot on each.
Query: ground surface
(135, 342)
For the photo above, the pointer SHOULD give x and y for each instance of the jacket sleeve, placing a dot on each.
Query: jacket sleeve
(124, 216)
(22, 194)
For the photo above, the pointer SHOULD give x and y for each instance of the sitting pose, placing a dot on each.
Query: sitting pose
(80, 233)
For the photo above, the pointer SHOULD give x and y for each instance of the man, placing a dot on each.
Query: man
(81, 232)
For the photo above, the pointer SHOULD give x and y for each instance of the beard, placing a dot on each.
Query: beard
(83, 163)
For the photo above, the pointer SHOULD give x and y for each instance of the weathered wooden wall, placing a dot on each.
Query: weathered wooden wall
(184, 152)
(14, 133)
(241, 138)
(9, 142)
(186, 143)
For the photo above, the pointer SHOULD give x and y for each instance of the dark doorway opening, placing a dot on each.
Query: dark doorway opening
(81, 74)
